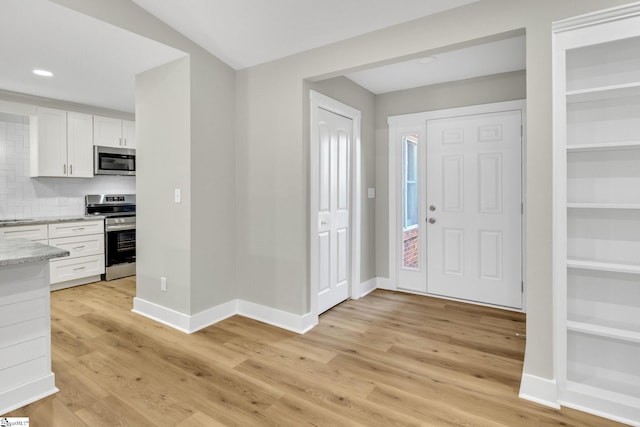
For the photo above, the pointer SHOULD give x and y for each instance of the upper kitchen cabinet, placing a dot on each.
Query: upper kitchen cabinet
(61, 144)
(110, 132)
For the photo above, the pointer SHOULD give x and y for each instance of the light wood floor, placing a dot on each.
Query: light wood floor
(389, 359)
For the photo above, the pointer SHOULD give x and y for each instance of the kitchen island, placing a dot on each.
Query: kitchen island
(25, 322)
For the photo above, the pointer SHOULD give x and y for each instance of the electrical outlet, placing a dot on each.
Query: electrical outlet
(163, 284)
(177, 195)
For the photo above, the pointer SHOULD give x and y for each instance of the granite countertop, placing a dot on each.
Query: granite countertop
(23, 251)
(47, 220)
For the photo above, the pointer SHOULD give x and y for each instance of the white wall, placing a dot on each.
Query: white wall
(24, 197)
(273, 196)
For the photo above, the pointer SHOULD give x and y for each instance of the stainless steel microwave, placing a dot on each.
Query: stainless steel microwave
(114, 161)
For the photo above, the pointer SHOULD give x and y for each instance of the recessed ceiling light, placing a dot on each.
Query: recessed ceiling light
(43, 73)
(426, 60)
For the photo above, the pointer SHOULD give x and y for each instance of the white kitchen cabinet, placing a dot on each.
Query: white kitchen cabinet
(84, 239)
(61, 144)
(85, 242)
(36, 232)
(110, 132)
(71, 271)
(75, 228)
(596, 269)
(129, 133)
(80, 145)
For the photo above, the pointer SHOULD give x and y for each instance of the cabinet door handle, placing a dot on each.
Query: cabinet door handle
(70, 169)
(125, 141)
(121, 141)
(64, 167)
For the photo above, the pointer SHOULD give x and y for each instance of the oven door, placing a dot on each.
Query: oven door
(120, 246)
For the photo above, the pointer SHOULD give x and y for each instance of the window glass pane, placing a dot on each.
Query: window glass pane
(410, 202)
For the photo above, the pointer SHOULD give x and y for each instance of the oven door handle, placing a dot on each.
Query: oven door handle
(118, 227)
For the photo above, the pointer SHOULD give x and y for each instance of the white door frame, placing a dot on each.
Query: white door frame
(419, 121)
(319, 100)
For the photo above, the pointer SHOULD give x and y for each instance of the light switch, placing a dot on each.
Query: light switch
(371, 193)
(177, 196)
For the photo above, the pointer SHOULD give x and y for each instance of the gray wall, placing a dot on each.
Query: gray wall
(273, 196)
(347, 92)
(481, 90)
(163, 127)
(197, 154)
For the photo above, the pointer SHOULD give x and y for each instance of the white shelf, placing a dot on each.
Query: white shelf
(603, 266)
(621, 206)
(611, 331)
(618, 145)
(603, 92)
(603, 393)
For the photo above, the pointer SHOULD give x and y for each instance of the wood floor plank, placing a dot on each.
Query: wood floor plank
(389, 359)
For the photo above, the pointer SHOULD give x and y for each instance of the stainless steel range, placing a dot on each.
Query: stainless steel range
(120, 231)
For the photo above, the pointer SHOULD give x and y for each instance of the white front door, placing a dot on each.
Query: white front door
(335, 139)
(473, 208)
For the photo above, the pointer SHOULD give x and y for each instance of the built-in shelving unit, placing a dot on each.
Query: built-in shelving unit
(597, 212)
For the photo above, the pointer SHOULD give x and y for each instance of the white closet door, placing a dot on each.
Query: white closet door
(333, 214)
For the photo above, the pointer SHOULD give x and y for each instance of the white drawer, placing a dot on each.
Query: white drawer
(64, 269)
(76, 228)
(92, 244)
(31, 232)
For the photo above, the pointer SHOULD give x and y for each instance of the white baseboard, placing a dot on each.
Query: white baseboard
(281, 319)
(212, 315)
(366, 288)
(161, 314)
(25, 394)
(539, 390)
(193, 323)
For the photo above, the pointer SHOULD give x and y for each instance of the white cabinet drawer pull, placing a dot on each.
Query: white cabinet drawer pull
(79, 268)
(78, 229)
(78, 247)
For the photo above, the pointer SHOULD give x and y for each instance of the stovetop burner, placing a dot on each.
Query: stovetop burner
(110, 205)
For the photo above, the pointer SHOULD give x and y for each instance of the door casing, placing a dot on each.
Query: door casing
(398, 125)
(319, 100)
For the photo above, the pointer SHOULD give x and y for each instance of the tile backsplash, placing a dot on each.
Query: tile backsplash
(24, 197)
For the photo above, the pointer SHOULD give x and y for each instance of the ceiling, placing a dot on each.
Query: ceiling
(244, 33)
(482, 60)
(93, 62)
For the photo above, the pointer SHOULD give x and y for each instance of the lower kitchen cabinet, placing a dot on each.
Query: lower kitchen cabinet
(74, 271)
(83, 239)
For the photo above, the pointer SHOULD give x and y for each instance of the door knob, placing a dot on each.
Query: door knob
(432, 220)
(432, 208)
